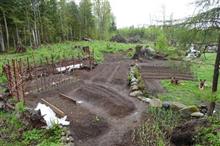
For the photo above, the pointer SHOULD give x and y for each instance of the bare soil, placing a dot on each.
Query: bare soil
(105, 114)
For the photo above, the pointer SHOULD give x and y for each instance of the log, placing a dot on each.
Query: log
(54, 108)
(67, 97)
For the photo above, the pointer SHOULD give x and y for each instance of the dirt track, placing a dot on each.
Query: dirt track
(105, 114)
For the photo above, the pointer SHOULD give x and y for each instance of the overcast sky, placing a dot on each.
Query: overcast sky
(141, 12)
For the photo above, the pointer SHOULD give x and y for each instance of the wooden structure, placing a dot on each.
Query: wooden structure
(25, 76)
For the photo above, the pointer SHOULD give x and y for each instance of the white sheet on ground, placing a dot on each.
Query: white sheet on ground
(50, 117)
(69, 68)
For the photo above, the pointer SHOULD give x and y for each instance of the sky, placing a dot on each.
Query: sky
(146, 12)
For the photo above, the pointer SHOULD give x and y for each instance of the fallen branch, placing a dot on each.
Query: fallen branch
(67, 97)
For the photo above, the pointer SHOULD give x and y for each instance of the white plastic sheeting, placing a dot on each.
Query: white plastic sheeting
(50, 117)
(69, 68)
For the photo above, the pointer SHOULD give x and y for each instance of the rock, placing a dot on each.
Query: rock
(63, 139)
(134, 88)
(197, 115)
(134, 80)
(166, 105)
(68, 133)
(184, 134)
(63, 134)
(156, 103)
(2, 105)
(136, 93)
(134, 83)
(203, 109)
(176, 106)
(147, 100)
(70, 144)
(71, 139)
(187, 111)
(67, 139)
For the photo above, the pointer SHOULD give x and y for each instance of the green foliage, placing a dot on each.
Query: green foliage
(43, 137)
(19, 107)
(210, 135)
(157, 128)
(161, 42)
(11, 133)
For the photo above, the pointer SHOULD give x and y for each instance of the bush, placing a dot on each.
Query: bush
(210, 135)
(161, 42)
(158, 127)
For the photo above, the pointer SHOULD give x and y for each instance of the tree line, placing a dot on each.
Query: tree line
(33, 22)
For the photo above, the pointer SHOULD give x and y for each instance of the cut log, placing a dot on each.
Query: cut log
(67, 97)
(54, 108)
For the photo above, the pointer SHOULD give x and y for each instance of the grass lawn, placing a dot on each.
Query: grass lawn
(188, 92)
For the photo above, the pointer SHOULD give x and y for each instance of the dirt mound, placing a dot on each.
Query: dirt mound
(84, 124)
(108, 100)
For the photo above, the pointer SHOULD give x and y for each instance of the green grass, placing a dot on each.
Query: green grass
(157, 128)
(65, 50)
(12, 136)
(188, 92)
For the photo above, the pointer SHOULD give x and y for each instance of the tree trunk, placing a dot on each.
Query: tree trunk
(6, 30)
(215, 80)
(2, 45)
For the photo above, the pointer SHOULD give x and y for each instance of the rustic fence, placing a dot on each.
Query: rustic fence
(25, 77)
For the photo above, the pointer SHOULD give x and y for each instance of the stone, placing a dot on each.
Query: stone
(2, 105)
(134, 83)
(63, 139)
(134, 80)
(187, 111)
(176, 106)
(136, 93)
(68, 139)
(134, 88)
(197, 115)
(147, 100)
(68, 133)
(155, 103)
(203, 109)
(70, 144)
(71, 139)
(166, 105)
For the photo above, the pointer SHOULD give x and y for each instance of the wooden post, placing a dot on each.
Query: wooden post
(14, 63)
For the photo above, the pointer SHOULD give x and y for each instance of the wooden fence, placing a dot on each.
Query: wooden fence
(24, 77)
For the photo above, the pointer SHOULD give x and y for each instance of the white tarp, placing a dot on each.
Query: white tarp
(50, 117)
(69, 68)
(192, 53)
